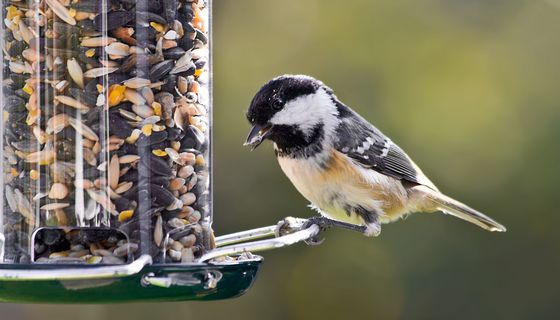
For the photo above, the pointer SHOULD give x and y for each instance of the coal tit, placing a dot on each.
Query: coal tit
(348, 169)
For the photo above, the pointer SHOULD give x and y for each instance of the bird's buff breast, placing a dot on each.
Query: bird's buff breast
(343, 185)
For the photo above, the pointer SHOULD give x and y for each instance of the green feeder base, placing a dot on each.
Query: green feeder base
(141, 280)
(153, 283)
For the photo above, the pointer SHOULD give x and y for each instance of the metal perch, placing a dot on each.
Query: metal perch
(286, 232)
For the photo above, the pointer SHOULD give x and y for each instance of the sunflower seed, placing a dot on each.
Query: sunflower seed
(199, 53)
(41, 157)
(154, 138)
(144, 18)
(187, 255)
(71, 102)
(143, 110)
(173, 155)
(182, 85)
(97, 41)
(99, 72)
(173, 53)
(118, 49)
(40, 196)
(171, 35)
(129, 115)
(160, 70)
(183, 64)
(75, 72)
(11, 198)
(102, 199)
(136, 83)
(188, 241)
(101, 167)
(150, 120)
(134, 97)
(113, 172)
(158, 231)
(83, 183)
(112, 20)
(89, 156)
(123, 187)
(83, 129)
(57, 123)
(20, 67)
(188, 198)
(193, 139)
(148, 94)
(26, 145)
(176, 223)
(55, 206)
(179, 119)
(174, 255)
(91, 210)
(16, 48)
(130, 158)
(156, 165)
(61, 11)
(32, 55)
(58, 191)
(14, 104)
(176, 184)
(23, 206)
(167, 102)
(125, 249)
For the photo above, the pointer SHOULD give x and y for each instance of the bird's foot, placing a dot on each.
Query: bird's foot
(323, 224)
(371, 230)
(290, 225)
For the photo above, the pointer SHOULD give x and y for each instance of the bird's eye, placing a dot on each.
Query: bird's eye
(277, 104)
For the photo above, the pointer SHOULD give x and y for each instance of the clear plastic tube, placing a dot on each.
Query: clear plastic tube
(105, 131)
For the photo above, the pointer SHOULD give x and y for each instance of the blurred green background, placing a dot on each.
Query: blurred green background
(471, 89)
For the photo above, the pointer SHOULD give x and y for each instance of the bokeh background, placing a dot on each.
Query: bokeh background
(471, 89)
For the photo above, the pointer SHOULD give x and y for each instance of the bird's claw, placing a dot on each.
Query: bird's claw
(290, 225)
(314, 241)
(323, 225)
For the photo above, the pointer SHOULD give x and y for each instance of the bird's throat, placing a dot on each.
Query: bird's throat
(294, 143)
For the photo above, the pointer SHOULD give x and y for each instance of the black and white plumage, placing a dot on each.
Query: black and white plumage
(347, 168)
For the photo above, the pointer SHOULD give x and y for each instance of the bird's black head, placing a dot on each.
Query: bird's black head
(290, 110)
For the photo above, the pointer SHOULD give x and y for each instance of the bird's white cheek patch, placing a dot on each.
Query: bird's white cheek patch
(299, 112)
(308, 111)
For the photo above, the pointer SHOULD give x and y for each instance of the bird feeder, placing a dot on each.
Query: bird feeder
(106, 147)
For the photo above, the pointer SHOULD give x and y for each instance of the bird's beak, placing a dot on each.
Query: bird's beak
(256, 136)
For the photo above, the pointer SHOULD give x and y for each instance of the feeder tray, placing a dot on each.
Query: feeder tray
(212, 277)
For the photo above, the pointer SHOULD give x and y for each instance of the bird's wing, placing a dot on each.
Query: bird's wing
(369, 147)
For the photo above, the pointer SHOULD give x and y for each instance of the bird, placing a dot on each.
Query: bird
(352, 174)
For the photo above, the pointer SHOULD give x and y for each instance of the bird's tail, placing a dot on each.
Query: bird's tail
(460, 210)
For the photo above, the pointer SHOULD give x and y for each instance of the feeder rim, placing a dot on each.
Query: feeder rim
(77, 273)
